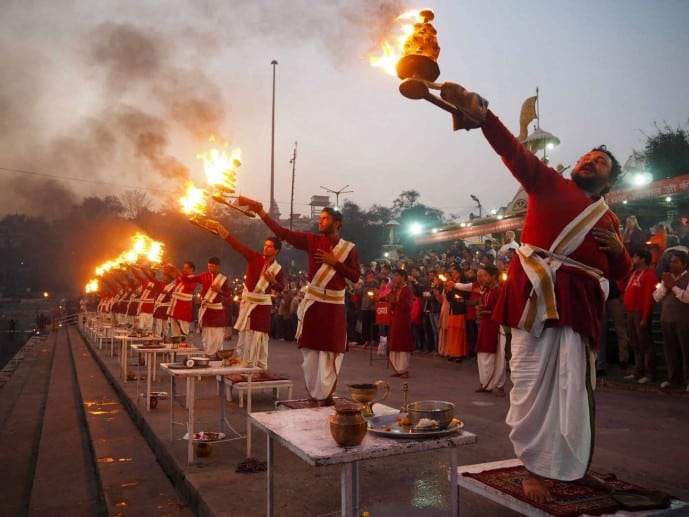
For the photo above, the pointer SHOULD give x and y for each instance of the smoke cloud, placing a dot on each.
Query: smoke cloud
(99, 98)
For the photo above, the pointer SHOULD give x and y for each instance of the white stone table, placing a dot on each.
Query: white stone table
(150, 354)
(306, 433)
(191, 374)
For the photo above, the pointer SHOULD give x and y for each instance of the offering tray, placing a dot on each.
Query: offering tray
(389, 425)
(180, 366)
(206, 436)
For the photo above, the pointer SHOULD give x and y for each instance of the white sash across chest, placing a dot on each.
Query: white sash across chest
(252, 299)
(541, 265)
(316, 291)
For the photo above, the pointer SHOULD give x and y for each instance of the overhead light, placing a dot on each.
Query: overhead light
(640, 179)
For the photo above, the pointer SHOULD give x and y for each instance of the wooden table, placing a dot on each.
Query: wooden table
(191, 374)
(150, 354)
(306, 433)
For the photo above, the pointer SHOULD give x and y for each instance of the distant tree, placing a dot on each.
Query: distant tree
(406, 200)
(134, 202)
(379, 214)
(364, 230)
(667, 152)
(96, 208)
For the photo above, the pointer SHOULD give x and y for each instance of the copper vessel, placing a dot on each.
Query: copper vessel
(347, 425)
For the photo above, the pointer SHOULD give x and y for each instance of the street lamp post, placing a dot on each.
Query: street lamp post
(337, 194)
(272, 210)
(478, 203)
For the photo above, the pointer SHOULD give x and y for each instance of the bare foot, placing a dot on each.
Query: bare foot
(535, 490)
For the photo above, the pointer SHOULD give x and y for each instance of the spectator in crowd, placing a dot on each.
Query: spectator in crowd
(401, 340)
(417, 318)
(673, 244)
(657, 244)
(510, 243)
(369, 330)
(634, 237)
(456, 346)
(638, 302)
(673, 296)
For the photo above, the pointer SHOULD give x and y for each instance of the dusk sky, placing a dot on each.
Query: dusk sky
(99, 97)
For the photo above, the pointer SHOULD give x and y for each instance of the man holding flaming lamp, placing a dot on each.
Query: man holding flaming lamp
(263, 277)
(180, 313)
(212, 317)
(555, 293)
(322, 327)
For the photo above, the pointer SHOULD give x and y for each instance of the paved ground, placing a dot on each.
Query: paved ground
(641, 436)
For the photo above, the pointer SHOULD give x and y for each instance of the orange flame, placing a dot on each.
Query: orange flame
(194, 203)
(92, 286)
(220, 166)
(142, 247)
(393, 52)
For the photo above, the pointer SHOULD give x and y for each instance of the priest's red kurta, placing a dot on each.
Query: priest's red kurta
(182, 309)
(260, 318)
(489, 329)
(401, 338)
(211, 317)
(325, 324)
(558, 200)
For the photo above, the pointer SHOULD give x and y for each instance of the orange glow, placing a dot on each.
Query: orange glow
(393, 51)
(220, 166)
(92, 286)
(195, 201)
(143, 247)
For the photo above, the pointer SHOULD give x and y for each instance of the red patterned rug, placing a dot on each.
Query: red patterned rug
(570, 500)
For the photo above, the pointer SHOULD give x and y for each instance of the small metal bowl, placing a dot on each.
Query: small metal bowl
(201, 361)
(438, 410)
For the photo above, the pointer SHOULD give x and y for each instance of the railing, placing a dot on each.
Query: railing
(65, 321)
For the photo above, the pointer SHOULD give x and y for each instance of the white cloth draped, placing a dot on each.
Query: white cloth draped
(549, 410)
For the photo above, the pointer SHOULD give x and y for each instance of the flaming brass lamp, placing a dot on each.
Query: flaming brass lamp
(418, 69)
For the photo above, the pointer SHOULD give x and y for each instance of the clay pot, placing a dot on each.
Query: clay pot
(347, 425)
(203, 450)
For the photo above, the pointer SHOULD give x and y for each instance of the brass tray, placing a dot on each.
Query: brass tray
(388, 425)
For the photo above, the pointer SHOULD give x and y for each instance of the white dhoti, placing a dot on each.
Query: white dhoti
(146, 321)
(252, 347)
(492, 373)
(212, 339)
(178, 328)
(400, 361)
(551, 403)
(321, 370)
(161, 327)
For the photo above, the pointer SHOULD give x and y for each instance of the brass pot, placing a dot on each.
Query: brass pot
(347, 425)
(203, 450)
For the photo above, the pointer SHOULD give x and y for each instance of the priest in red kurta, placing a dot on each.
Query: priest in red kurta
(322, 327)
(554, 299)
(212, 316)
(401, 340)
(181, 310)
(263, 278)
